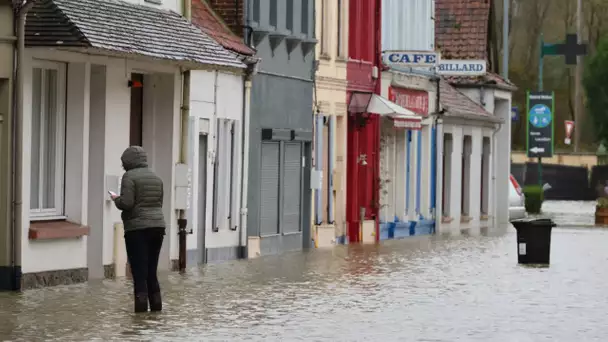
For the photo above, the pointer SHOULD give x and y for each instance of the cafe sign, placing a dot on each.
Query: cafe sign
(411, 58)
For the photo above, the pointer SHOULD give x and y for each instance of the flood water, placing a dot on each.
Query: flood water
(419, 289)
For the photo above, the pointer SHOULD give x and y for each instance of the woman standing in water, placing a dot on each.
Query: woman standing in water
(141, 203)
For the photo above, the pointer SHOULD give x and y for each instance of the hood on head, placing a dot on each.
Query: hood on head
(134, 157)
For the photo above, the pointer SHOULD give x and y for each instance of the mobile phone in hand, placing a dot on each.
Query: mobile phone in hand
(112, 193)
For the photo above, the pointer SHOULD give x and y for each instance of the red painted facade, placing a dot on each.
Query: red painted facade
(364, 45)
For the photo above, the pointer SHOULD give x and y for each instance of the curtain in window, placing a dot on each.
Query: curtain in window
(45, 150)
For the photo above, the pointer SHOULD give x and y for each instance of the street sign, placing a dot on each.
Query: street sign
(540, 108)
(462, 67)
(514, 113)
(569, 129)
(411, 58)
(570, 49)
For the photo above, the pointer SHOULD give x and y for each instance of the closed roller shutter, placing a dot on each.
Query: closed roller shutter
(292, 188)
(269, 192)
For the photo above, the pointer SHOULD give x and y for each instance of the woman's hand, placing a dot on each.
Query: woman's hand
(115, 196)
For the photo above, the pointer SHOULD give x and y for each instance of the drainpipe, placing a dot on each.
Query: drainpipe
(439, 151)
(17, 150)
(245, 155)
(182, 221)
(494, 167)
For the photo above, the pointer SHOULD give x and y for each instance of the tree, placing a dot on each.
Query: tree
(595, 81)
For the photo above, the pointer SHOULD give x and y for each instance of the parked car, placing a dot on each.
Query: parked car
(517, 209)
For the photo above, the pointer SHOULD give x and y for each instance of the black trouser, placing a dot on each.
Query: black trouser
(143, 250)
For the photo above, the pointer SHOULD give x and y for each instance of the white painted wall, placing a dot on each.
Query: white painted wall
(214, 95)
(173, 5)
(455, 176)
(498, 102)
(163, 127)
(408, 25)
(419, 82)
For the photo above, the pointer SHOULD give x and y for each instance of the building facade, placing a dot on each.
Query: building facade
(363, 140)
(281, 125)
(407, 163)
(219, 118)
(475, 148)
(329, 174)
(86, 98)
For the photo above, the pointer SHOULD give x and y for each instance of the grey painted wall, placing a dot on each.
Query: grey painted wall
(282, 95)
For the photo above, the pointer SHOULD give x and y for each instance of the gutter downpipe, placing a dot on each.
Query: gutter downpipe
(245, 157)
(494, 167)
(17, 148)
(182, 221)
(439, 151)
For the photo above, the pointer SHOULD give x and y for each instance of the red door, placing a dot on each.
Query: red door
(362, 172)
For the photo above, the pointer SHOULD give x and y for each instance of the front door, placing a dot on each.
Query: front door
(137, 105)
(362, 173)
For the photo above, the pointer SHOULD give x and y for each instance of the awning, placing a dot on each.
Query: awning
(376, 104)
(119, 28)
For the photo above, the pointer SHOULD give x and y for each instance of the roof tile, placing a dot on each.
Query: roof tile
(461, 32)
(122, 27)
(461, 28)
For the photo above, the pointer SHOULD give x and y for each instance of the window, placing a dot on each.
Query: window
(305, 29)
(48, 140)
(324, 28)
(289, 14)
(274, 14)
(256, 11)
(339, 31)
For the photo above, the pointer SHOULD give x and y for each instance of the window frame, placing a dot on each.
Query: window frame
(59, 211)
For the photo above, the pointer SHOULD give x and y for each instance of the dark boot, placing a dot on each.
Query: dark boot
(141, 302)
(156, 303)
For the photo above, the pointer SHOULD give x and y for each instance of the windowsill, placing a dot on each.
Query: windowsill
(34, 218)
(342, 59)
(57, 229)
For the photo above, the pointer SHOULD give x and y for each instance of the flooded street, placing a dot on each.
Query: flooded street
(419, 289)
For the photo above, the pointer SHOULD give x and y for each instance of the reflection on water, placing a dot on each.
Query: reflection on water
(421, 289)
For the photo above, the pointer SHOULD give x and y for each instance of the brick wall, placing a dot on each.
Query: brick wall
(232, 12)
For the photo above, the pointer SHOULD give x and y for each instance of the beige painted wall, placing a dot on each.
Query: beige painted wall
(331, 29)
(571, 159)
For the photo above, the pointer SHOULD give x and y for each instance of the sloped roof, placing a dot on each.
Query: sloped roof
(123, 28)
(207, 20)
(462, 32)
(456, 103)
(461, 28)
(488, 79)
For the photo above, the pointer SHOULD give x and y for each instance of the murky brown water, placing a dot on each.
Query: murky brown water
(422, 289)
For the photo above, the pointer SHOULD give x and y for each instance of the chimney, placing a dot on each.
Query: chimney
(232, 12)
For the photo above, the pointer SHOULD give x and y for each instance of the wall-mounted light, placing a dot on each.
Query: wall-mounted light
(135, 84)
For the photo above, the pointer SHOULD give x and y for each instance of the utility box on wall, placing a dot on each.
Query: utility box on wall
(182, 186)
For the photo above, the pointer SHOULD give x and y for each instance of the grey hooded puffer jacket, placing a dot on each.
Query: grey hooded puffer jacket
(141, 193)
